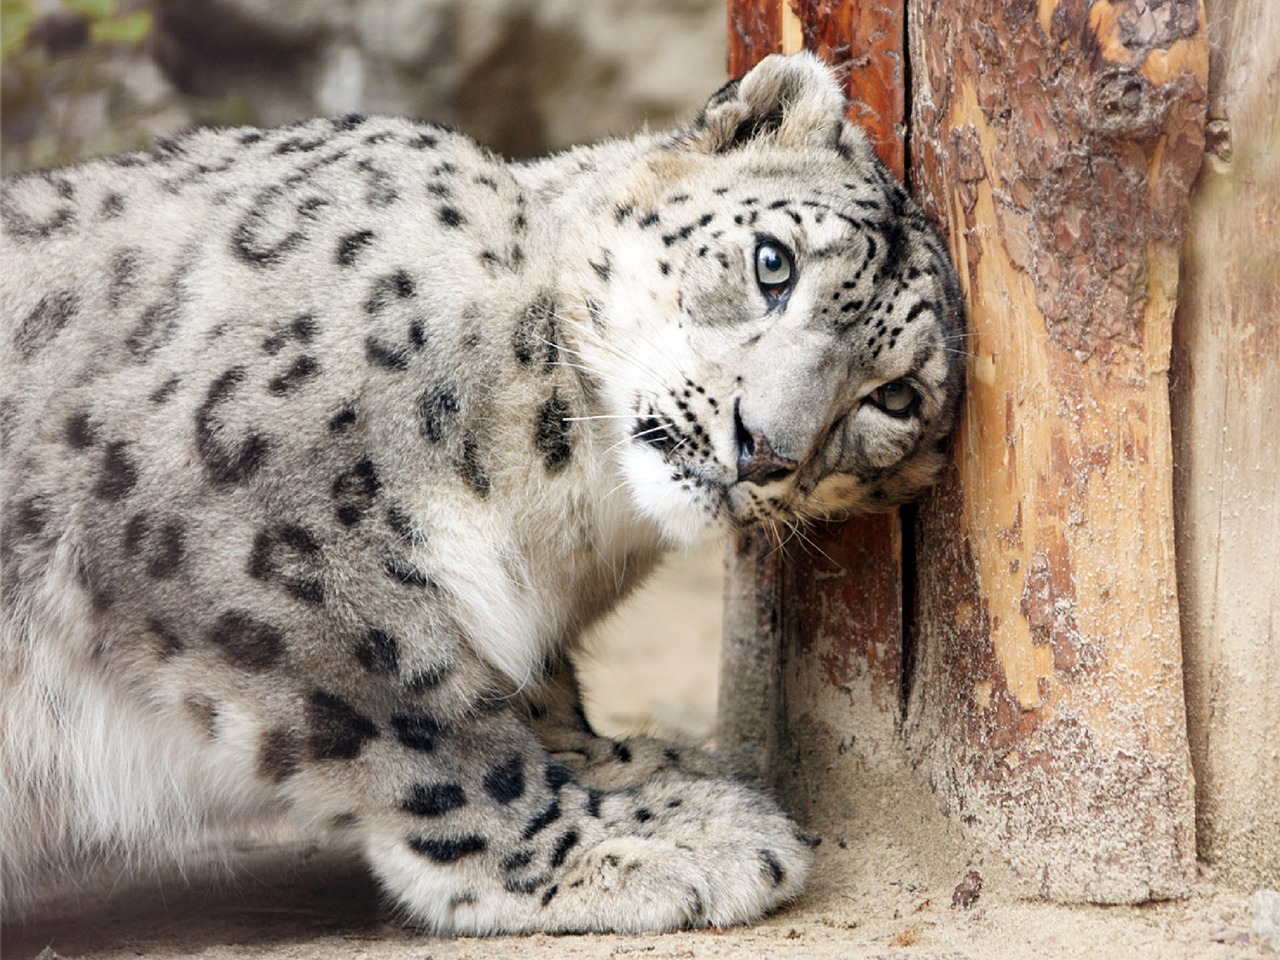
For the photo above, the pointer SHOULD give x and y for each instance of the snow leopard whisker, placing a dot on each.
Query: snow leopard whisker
(612, 348)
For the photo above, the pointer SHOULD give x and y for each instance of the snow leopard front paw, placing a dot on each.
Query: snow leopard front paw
(667, 856)
(663, 856)
(706, 853)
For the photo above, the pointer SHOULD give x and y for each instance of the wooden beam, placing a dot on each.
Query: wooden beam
(1226, 403)
(1058, 146)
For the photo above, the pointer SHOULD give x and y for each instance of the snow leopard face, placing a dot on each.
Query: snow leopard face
(774, 322)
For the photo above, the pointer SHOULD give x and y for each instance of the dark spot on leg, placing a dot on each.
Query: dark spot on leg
(135, 532)
(354, 491)
(505, 782)
(550, 894)
(385, 355)
(772, 867)
(300, 371)
(556, 776)
(119, 473)
(450, 217)
(643, 815)
(403, 572)
(278, 755)
(288, 554)
(603, 267)
(112, 206)
(93, 582)
(543, 820)
(418, 731)
(379, 653)
(168, 643)
(621, 752)
(400, 523)
(247, 641)
(165, 391)
(594, 796)
(225, 462)
(394, 286)
(342, 420)
(566, 843)
(534, 338)
(517, 860)
(437, 409)
(351, 245)
(448, 850)
(168, 550)
(337, 730)
(552, 433)
(302, 329)
(526, 886)
(433, 799)
(472, 471)
(426, 679)
(124, 273)
(80, 431)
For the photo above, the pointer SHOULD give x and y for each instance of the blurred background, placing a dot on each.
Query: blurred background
(84, 78)
(90, 77)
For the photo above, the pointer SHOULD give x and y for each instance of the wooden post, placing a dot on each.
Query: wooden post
(1058, 143)
(1226, 403)
(813, 631)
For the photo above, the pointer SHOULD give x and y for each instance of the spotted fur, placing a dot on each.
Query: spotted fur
(323, 445)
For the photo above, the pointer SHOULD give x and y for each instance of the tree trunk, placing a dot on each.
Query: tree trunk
(1226, 401)
(1058, 145)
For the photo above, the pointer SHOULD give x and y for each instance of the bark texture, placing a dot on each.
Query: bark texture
(1226, 403)
(1057, 144)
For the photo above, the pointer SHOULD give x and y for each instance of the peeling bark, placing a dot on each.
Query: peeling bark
(1057, 146)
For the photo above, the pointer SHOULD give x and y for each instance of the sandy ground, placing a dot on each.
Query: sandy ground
(878, 891)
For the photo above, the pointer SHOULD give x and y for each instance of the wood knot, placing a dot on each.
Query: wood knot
(1123, 103)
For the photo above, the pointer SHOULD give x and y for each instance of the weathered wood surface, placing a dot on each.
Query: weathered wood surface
(1226, 401)
(1057, 144)
(813, 631)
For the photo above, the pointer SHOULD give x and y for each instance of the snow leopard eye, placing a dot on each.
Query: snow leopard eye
(895, 398)
(775, 271)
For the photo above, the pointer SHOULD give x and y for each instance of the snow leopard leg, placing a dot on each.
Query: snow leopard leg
(472, 827)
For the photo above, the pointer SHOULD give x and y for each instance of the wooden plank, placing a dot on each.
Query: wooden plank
(811, 670)
(1226, 403)
(1058, 145)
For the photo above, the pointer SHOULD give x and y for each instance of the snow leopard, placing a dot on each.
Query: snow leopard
(324, 445)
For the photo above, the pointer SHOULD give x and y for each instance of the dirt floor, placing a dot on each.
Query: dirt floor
(879, 891)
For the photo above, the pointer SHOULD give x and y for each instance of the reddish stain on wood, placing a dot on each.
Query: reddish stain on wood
(755, 31)
(865, 40)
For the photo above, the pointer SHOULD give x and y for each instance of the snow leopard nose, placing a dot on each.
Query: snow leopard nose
(757, 461)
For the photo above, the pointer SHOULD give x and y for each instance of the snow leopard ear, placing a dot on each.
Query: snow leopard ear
(790, 101)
